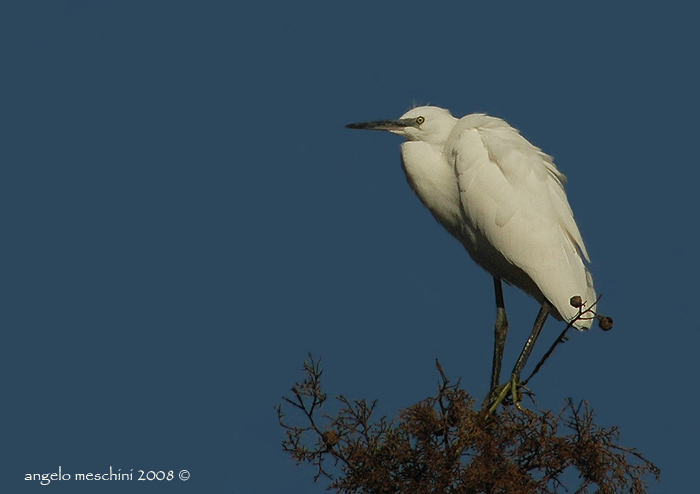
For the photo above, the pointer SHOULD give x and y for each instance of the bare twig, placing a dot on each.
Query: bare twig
(443, 444)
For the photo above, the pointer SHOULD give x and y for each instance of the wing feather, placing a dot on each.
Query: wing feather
(513, 195)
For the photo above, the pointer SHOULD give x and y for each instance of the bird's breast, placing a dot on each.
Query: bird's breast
(433, 180)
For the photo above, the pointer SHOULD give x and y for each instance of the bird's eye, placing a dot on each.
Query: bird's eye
(420, 120)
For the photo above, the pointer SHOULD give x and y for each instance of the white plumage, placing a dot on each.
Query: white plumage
(501, 197)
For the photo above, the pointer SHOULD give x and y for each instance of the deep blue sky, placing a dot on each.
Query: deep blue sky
(185, 216)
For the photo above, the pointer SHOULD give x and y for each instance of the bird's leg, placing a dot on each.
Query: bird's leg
(500, 393)
(499, 341)
(530, 344)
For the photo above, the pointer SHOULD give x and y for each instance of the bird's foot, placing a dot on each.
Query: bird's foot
(508, 393)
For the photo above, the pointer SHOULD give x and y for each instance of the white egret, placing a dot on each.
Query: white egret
(504, 200)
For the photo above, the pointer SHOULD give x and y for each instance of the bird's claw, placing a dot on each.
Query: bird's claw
(511, 390)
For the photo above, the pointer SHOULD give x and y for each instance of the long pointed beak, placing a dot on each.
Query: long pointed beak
(383, 124)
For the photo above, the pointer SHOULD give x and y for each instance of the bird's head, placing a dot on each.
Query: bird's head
(423, 123)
